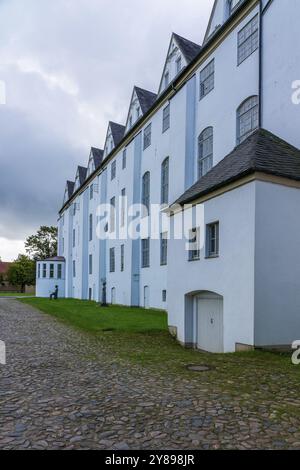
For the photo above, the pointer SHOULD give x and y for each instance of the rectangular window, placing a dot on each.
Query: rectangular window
(146, 253)
(51, 271)
(207, 79)
(164, 295)
(178, 65)
(112, 214)
(212, 240)
(147, 136)
(194, 245)
(74, 269)
(248, 40)
(74, 237)
(122, 258)
(167, 79)
(74, 208)
(91, 191)
(90, 264)
(91, 227)
(90, 293)
(112, 260)
(59, 271)
(123, 205)
(113, 170)
(165, 181)
(44, 270)
(166, 118)
(164, 249)
(124, 158)
(39, 270)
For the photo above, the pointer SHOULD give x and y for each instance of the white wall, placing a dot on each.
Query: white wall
(46, 286)
(277, 265)
(231, 275)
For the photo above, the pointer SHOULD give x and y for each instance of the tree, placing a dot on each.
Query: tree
(22, 272)
(43, 244)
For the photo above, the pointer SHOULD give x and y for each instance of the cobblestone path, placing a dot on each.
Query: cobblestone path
(61, 389)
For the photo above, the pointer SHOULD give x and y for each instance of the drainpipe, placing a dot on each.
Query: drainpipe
(260, 67)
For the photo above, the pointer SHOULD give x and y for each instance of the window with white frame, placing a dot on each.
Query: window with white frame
(194, 244)
(233, 4)
(74, 237)
(122, 258)
(147, 136)
(39, 270)
(164, 295)
(112, 214)
(205, 151)
(247, 118)
(74, 268)
(44, 270)
(90, 264)
(123, 205)
(113, 169)
(165, 181)
(212, 240)
(164, 249)
(124, 158)
(91, 191)
(91, 227)
(248, 40)
(166, 118)
(112, 260)
(178, 65)
(59, 271)
(51, 271)
(146, 253)
(167, 79)
(207, 79)
(146, 193)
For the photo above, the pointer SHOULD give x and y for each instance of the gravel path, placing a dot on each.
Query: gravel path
(60, 389)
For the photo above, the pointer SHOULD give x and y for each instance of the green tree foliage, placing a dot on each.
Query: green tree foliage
(22, 272)
(43, 244)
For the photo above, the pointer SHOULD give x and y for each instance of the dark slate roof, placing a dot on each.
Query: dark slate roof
(82, 174)
(97, 156)
(117, 131)
(188, 48)
(55, 258)
(261, 152)
(146, 98)
(70, 188)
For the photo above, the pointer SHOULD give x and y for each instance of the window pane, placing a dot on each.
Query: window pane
(247, 118)
(207, 79)
(248, 40)
(205, 152)
(147, 136)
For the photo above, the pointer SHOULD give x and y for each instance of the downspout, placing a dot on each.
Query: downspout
(260, 67)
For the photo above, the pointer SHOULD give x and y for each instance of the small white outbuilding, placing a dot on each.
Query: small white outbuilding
(49, 274)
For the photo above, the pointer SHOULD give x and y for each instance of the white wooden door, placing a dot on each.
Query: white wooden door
(210, 324)
(146, 297)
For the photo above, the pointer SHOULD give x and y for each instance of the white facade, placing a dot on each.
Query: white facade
(49, 274)
(181, 113)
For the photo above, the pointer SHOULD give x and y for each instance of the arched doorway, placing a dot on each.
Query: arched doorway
(204, 321)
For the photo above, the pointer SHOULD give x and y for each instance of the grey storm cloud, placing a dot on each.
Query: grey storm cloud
(69, 67)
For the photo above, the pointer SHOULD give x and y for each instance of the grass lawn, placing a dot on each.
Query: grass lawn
(141, 337)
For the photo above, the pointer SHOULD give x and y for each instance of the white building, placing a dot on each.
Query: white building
(222, 135)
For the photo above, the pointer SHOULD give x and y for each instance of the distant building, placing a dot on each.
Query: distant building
(4, 284)
(222, 133)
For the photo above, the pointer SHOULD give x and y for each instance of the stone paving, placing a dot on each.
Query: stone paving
(61, 389)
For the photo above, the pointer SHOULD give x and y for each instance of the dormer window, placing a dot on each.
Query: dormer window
(138, 110)
(178, 65)
(130, 122)
(232, 5)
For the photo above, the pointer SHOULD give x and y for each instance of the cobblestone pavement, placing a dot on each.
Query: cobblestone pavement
(61, 390)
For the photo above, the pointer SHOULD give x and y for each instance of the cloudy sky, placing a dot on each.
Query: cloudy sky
(69, 67)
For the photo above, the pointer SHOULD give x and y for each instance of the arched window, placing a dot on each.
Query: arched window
(247, 118)
(165, 181)
(146, 191)
(205, 151)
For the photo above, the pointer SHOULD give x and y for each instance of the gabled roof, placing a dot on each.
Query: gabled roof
(261, 152)
(82, 172)
(188, 48)
(97, 156)
(70, 188)
(117, 131)
(217, 5)
(146, 98)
